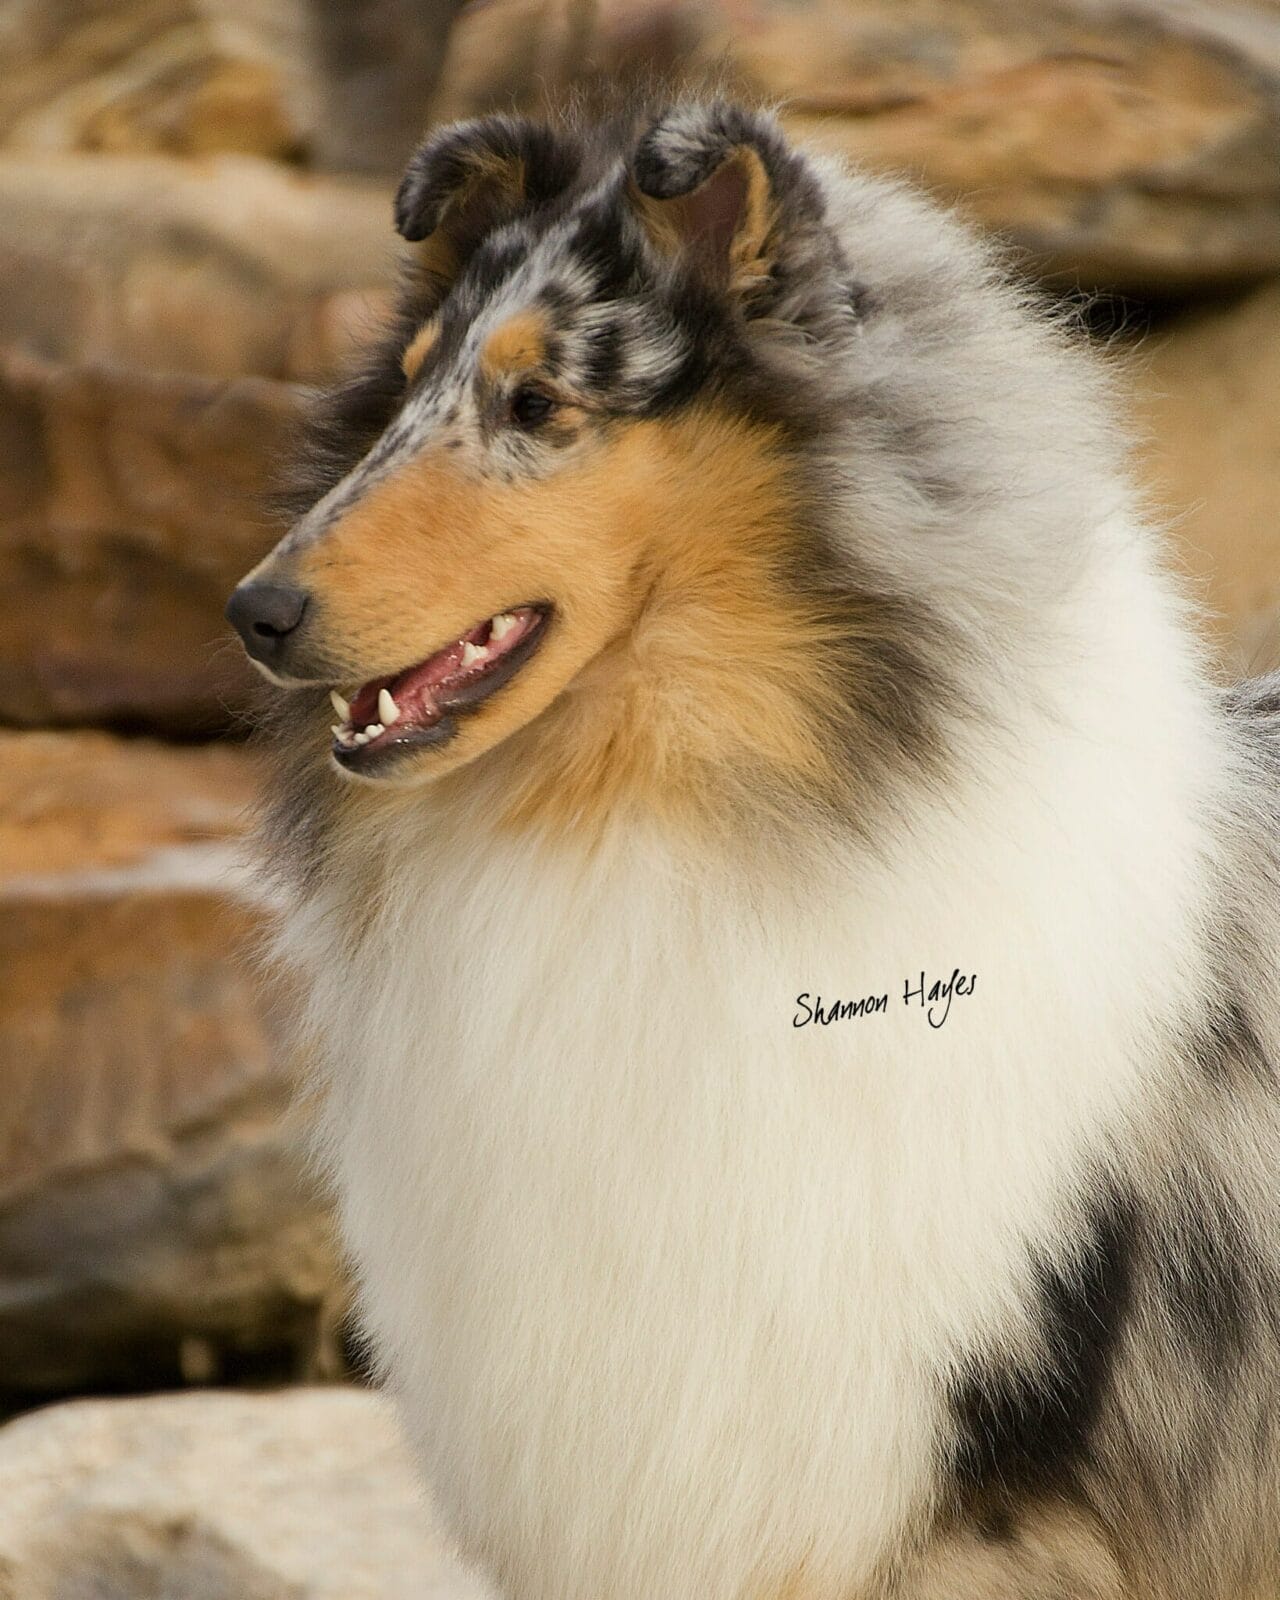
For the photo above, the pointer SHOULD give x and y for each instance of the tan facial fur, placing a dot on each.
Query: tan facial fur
(720, 669)
(418, 349)
(517, 345)
(659, 552)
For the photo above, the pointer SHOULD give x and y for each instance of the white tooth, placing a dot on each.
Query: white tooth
(338, 731)
(388, 710)
(472, 653)
(501, 625)
(360, 738)
(340, 705)
(373, 730)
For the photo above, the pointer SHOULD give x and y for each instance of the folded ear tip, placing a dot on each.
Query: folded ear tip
(530, 161)
(685, 144)
(653, 176)
(665, 166)
(407, 209)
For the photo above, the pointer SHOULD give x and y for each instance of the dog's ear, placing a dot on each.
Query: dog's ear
(719, 186)
(470, 177)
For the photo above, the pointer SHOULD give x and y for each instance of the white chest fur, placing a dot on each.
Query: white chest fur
(668, 1288)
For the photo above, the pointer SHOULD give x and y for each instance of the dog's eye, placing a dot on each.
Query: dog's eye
(530, 406)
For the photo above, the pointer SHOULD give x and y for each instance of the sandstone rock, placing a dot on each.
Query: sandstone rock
(153, 1220)
(184, 76)
(1207, 399)
(306, 1495)
(375, 66)
(1125, 143)
(132, 487)
(219, 267)
(130, 505)
(132, 499)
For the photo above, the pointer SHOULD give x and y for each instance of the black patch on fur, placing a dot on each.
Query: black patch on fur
(895, 704)
(1228, 1048)
(555, 299)
(685, 383)
(600, 244)
(553, 355)
(1021, 1431)
(492, 264)
(604, 358)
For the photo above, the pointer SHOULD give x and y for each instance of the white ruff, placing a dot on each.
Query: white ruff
(669, 1290)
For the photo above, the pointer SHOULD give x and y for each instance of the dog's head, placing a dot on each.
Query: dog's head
(571, 405)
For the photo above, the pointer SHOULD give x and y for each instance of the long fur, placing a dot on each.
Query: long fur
(680, 1298)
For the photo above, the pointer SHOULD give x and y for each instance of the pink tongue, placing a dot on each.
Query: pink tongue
(414, 690)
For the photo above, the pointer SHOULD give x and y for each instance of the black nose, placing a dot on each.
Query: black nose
(264, 615)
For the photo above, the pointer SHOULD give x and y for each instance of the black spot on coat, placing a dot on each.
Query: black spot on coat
(1023, 1430)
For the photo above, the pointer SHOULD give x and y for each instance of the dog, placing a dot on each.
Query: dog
(787, 919)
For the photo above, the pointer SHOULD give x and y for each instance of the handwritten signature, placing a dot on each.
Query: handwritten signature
(934, 999)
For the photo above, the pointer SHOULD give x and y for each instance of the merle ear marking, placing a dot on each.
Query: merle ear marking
(470, 176)
(685, 145)
(711, 180)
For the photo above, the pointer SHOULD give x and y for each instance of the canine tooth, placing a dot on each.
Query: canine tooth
(338, 731)
(472, 653)
(388, 710)
(340, 705)
(501, 625)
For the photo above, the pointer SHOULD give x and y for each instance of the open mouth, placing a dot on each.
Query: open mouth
(420, 706)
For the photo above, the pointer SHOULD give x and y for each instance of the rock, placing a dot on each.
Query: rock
(306, 1495)
(130, 506)
(135, 470)
(376, 64)
(1207, 400)
(133, 291)
(1128, 144)
(154, 1224)
(1125, 144)
(523, 53)
(218, 267)
(183, 76)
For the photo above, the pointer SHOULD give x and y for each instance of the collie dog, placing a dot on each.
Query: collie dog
(788, 924)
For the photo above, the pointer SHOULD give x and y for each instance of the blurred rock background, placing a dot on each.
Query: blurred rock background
(195, 228)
